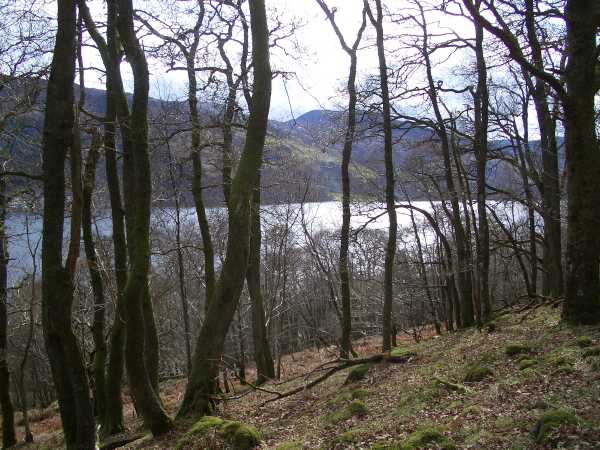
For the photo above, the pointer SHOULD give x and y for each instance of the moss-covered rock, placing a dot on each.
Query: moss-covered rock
(584, 341)
(516, 349)
(477, 373)
(240, 436)
(592, 351)
(215, 431)
(551, 420)
(526, 363)
(203, 427)
(358, 373)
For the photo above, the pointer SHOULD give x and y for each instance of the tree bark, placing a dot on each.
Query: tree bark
(202, 384)
(95, 280)
(390, 194)
(8, 424)
(552, 279)
(346, 341)
(142, 375)
(265, 368)
(480, 147)
(582, 302)
(66, 361)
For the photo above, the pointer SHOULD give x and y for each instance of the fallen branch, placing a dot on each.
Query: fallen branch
(341, 365)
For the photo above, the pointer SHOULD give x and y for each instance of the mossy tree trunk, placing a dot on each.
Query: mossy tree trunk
(65, 357)
(141, 334)
(112, 422)
(202, 384)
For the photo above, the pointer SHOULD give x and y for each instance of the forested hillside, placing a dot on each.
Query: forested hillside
(238, 224)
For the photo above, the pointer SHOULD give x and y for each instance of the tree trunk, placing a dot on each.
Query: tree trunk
(582, 302)
(8, 425)
(202, 384)
(390, 194)
(552, 279)
(265, 369)
(141, 332)
(116, 105)
(480, 147)
(62, 348)
(95, 280)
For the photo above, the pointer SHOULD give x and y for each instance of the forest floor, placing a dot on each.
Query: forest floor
(538, 387)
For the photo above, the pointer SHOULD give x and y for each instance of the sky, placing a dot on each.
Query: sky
(322, 68)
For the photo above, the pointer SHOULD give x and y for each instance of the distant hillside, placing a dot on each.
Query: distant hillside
(306, 150)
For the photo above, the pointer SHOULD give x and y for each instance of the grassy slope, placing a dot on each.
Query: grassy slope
(497, 413)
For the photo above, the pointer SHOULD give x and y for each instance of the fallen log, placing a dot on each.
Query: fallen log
(341, 364)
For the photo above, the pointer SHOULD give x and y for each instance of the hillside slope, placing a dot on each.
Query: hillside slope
(530, 367)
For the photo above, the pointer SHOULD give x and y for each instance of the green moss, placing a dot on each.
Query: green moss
(595, 366)
(552, 420)
(356, 408)
(516, 349)
(477, 373)
(526, 363)
(584, 341)
(592, 351)
(199, 430)
(425, 436)
(292, 445)
(240, 436)
(358, 373)
(237, 435)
